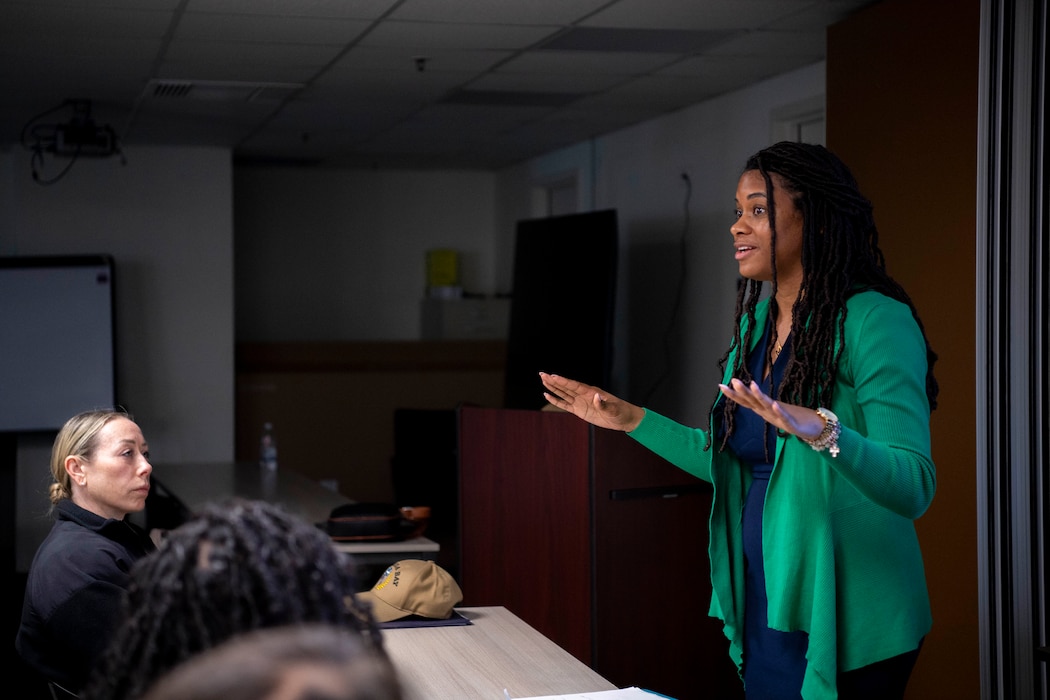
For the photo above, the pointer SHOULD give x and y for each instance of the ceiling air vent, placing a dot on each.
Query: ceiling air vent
(220, 91)
(170, 88)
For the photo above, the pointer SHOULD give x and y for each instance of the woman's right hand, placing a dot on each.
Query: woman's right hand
(590, 403)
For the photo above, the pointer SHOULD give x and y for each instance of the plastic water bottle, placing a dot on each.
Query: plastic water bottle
(268, 448)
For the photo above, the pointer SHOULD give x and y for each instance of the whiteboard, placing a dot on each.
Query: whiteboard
(56, 340)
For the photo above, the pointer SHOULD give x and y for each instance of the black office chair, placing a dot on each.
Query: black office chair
(424, 470)
(164, 510)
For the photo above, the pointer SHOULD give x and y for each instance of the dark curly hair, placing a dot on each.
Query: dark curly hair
(840, 257)
(233, 567)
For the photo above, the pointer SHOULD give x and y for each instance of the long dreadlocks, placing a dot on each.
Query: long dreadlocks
(233, 567)
(840, 257)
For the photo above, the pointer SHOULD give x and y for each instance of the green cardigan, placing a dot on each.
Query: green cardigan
(842, 557)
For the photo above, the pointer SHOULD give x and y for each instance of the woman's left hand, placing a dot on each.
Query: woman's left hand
(792, 419)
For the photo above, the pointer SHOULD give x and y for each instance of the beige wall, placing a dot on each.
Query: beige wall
(902, 111)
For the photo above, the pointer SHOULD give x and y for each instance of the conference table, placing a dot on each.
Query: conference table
(192, 485)
(497, 651)
(195, 483)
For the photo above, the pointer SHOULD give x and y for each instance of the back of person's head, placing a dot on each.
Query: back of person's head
(231, 568)
(77, 438)
(300, 662)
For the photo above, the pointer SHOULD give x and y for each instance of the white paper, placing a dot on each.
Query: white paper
(621, 694)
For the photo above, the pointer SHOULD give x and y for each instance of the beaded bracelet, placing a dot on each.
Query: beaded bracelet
(829, 436)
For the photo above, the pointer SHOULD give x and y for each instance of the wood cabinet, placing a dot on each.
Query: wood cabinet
(597, 543)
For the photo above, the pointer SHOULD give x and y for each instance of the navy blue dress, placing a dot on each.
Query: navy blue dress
(774, 661)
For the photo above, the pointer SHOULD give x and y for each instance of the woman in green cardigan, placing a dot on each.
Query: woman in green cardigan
(817, 446)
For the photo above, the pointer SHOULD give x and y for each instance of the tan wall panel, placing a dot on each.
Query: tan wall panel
(902, 86)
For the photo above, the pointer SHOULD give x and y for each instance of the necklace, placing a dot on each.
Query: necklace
(776, 350)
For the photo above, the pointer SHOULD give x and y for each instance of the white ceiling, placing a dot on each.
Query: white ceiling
(449, 83)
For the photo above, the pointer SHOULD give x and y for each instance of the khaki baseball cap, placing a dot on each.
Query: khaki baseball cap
(413, 587)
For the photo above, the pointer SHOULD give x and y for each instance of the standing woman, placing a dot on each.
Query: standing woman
(817, 444)
(79, 575)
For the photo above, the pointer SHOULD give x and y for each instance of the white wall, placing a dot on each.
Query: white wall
(638, 171)
(340, 255)
(166, 219)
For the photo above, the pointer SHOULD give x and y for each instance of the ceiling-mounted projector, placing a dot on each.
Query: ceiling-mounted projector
(85, 139)
(78, 137)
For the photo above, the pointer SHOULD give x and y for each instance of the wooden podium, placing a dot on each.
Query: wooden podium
(597, 543)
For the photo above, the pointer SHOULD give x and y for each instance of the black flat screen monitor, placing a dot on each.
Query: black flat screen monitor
(562, 303)
(56, 339)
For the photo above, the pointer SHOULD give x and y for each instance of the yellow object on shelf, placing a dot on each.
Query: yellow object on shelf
(442, 268)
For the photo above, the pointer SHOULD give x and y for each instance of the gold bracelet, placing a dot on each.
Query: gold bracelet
(829, 436)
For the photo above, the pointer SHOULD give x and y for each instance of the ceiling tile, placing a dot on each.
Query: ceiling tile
(439, 35)
(269, 29)
(587, 62)
(575, 82)
(51, 21)
(535, 12)
(775, 43)
(708, 15)
(620, 40)
(362, 61)
(337, 9)
(205, 54)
